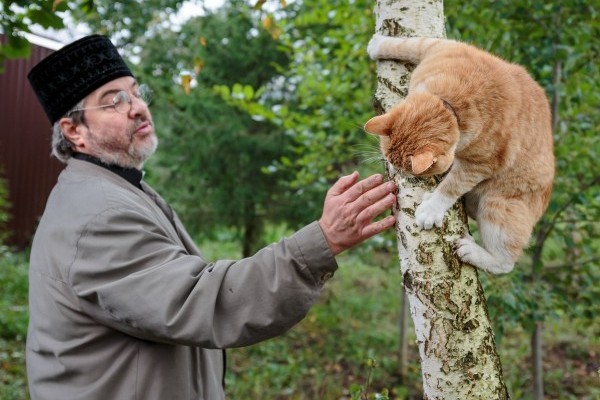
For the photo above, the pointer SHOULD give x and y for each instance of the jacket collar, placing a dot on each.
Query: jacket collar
(131, 175)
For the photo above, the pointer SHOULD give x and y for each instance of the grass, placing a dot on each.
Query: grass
(327, 355)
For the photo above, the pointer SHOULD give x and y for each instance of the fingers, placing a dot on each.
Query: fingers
(371, 211)
(364, 186)
(366, 216)
(379, 226)
(343, 184)
(374, 195)
(350, 208)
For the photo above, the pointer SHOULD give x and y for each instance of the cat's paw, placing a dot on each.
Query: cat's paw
(432, 209)
(469, 251)
(472, 253)
(374, 45)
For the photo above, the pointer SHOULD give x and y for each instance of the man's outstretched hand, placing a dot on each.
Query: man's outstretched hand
(350, 208)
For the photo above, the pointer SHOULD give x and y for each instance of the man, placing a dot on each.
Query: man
(122, 304)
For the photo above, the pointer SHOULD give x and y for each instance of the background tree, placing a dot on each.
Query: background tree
(324, 96)
(215, 153)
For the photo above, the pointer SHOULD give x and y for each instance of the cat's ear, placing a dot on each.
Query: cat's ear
(421, 162)
(380, 125)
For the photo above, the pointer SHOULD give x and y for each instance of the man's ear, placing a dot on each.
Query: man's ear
(72, 131)
(380, 125)
(421, 162)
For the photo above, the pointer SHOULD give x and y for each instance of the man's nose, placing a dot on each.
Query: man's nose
(138, 106)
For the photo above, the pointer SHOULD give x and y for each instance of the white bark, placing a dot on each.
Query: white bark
(447, 304)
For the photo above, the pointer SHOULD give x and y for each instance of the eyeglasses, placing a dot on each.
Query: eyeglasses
(122, 100)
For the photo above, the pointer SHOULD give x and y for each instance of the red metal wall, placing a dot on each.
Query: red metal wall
(25, 136)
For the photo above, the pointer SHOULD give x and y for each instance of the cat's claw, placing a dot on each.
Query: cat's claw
(431, 211)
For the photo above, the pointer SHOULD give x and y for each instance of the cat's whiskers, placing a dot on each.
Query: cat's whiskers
(367, 153)
(353, 124)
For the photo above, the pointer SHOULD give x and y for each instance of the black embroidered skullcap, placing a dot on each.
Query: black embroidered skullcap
(66, 76)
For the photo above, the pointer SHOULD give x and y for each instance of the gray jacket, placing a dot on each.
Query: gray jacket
(123, 306)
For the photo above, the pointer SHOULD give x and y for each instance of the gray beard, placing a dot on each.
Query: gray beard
(132, 157)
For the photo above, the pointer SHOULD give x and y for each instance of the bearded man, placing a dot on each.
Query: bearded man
(122, 303)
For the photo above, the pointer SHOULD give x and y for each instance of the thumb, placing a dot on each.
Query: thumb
(343, 184)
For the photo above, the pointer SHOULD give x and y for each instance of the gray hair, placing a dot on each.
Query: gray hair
(62, 148)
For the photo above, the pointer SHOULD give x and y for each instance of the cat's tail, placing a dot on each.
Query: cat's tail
(412, 49)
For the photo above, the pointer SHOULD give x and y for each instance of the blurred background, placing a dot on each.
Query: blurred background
(259, 107)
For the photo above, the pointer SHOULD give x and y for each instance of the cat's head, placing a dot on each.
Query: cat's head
(418, 136)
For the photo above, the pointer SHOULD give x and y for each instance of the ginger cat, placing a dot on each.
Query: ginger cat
(487, 122)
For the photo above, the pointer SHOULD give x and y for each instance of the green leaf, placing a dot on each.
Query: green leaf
(61, 6)
(17, 47)
(248, 92)
(87, 6)
(45, 18)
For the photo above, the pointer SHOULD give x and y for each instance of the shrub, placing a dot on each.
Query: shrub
(13, 296)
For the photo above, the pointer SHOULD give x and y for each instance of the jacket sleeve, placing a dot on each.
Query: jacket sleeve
(130, 275)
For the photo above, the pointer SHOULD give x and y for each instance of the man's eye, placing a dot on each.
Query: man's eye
(120, 98)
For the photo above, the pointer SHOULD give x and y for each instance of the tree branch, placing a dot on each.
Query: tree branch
(548, 227)
(571, 265)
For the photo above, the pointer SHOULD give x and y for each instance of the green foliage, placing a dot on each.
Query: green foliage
(216, 153)
(13, 324)
(13, 297)
(332, 86)
(16, 18)
(324, 96)
(126, 20)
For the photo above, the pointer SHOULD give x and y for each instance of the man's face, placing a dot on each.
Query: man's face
(125, 138)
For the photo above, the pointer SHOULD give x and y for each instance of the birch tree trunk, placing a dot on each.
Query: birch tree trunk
(447, 304)
(403, 339)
